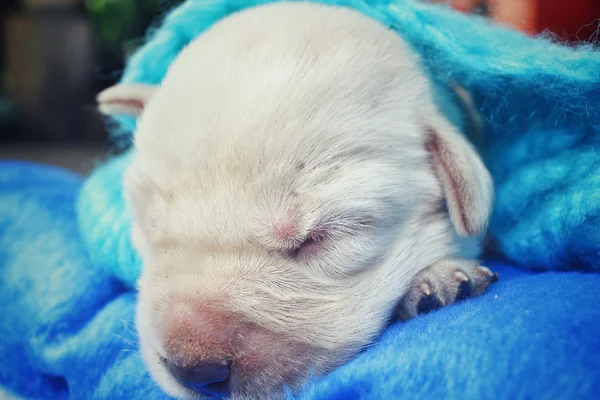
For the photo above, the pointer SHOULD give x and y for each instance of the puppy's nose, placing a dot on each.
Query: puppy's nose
(209, 378)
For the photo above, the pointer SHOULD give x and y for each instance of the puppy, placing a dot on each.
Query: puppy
(294, 186)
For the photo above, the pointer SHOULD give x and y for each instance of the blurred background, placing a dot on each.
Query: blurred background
(55, 55)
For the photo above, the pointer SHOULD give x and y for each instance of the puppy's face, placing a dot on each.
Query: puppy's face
(288, 182)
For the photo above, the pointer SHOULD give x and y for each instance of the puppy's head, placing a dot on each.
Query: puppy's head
(291, 176)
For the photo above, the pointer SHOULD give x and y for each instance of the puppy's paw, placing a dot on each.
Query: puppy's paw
(444, 283)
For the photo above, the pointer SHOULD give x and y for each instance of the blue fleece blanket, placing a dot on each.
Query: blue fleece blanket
(67, 327)
(67, 266)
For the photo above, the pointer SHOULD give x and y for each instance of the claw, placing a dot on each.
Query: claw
(425, 288)
(490, 276)
(461, 277)
(486, 271)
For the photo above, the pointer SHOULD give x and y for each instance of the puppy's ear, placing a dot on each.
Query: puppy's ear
(466, 182)
(125, 99)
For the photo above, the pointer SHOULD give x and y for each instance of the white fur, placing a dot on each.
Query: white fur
(292, 115)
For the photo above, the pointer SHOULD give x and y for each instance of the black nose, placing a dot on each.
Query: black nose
(210, 378)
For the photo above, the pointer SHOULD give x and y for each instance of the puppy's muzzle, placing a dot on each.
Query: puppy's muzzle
(215, 351)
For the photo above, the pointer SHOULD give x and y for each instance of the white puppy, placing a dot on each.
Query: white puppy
(294, 186)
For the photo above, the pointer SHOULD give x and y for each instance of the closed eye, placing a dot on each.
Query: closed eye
(309, 247)
(320, 238)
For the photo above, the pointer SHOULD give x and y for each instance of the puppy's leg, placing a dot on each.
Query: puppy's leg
(444, 283)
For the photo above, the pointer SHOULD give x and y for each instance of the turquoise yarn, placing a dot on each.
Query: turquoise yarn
(105, 222)
(536, 97)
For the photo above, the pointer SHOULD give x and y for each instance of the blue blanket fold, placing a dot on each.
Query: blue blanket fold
(68, 333)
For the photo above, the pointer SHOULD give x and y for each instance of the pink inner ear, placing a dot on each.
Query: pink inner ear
(129, 103)
(449, 172)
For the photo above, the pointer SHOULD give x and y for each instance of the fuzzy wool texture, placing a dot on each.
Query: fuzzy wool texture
(67, 328)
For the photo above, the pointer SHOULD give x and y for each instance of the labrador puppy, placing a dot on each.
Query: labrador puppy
(294, 186)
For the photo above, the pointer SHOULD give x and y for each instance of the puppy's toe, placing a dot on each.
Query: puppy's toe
(483, 277)
(442, 284)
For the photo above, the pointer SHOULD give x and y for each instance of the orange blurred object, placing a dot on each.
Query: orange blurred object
(572, 20)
